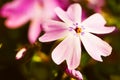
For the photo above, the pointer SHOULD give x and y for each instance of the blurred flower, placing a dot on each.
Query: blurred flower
(20, 53)
(75, 31)
(96, 4)
(18, 12)
(63, 3)
(74, 73)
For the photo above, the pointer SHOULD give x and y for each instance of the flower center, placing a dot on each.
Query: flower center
(78, 30)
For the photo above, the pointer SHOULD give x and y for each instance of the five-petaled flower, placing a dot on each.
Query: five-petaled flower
(19, 12)
(77, 31)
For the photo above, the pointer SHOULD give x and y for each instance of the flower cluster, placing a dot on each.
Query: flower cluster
(72, 28)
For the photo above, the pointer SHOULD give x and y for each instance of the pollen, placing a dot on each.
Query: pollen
(78, 30)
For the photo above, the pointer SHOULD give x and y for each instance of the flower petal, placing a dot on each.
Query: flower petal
(54, 30)
(73, 59)
(34, 31)
(16, 13)
(49, 6)
(74, 12)
(61, 52)
(51, 25)
(16, 8)
(63, 16)
(95, 46)
(16, 22)
(68, 51)
(95, 24)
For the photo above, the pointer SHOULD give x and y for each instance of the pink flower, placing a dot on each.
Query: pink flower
(74, 73)
(19, 12)
(77, 31)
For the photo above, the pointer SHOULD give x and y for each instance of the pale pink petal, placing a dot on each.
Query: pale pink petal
(73, 59)
(54, 35)
(34, 31)
(74, 12)
(51, 25)
(74, 73)
(54, 31)
(95, 46)
(95, 24)
(61, 52)
(68, 51)
(63, 16)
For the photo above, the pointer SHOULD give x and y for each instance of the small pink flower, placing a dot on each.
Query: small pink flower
(77, 31)
(19, 12)
(74, 73)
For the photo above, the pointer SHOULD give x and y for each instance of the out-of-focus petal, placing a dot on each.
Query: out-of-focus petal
(73, 59)
(69, 52)
(16, 8)
(74, 12)
(15, 22)
(54, 31)
(74, 73)
(64, 4)
(16, 12)
(63, 16)
(49, 6)
(95, 46)
(34, 31)
(95, 24)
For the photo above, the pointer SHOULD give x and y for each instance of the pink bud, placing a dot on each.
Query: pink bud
(74, 73)
(20, 53)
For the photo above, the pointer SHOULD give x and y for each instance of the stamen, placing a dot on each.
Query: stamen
(76, 24)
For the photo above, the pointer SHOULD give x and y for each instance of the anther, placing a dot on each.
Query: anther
(78, 30)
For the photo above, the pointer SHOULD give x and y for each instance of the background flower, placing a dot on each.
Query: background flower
(19, 12)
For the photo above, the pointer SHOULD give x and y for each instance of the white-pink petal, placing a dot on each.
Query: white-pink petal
(54, 30)
(96, 24)
(74, 12)
(51, 25)
(73, 59)
(70, 52)
(60, 53)
(52, 36)
(95, 46)
(63, 16)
